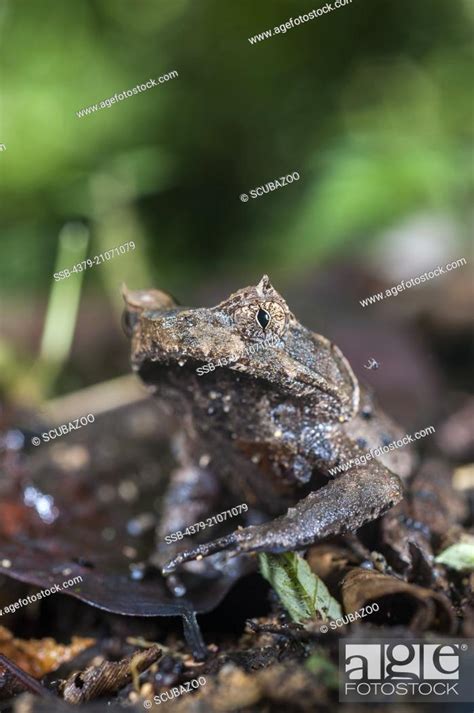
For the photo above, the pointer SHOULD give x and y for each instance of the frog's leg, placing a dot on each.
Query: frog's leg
(343, 505)
(192, 493)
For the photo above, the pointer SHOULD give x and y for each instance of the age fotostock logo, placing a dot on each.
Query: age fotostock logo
(413, 670)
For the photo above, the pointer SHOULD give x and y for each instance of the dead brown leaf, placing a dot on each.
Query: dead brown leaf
(108, 677)
(40, 656)
(399, 602)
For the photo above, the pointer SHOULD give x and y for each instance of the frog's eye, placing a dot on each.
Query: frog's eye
(272, 316)
(263, 318)
(254, 318)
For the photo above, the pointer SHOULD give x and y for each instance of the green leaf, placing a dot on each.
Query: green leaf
(303, 594)
(459, 556)
(324, 669)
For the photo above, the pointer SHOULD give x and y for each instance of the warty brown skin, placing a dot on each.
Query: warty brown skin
(272, 423)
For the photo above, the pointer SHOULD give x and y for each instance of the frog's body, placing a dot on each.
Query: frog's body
(273, 422)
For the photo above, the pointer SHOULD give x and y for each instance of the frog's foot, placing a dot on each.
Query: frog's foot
(200, 551)
(345, 504)
(191, 493)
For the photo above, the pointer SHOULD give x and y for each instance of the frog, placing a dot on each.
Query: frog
(273, 426)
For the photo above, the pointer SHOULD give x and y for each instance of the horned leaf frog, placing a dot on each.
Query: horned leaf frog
(268, 427)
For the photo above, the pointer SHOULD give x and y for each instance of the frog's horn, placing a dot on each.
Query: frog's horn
(138, 301)
(264, 286)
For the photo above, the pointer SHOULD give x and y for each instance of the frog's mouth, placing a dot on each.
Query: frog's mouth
(180, 375)
(174, 376)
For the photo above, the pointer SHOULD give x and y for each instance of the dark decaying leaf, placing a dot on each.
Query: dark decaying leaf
(456, 436)
(433, 499)
(14, 680)
(64, 512)
(399, 602)
(467, 608)
(108, 677)
(431, 507)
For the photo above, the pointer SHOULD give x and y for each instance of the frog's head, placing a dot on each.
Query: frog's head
(252, 334)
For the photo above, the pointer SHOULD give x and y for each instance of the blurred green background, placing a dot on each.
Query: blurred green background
(371, 104)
